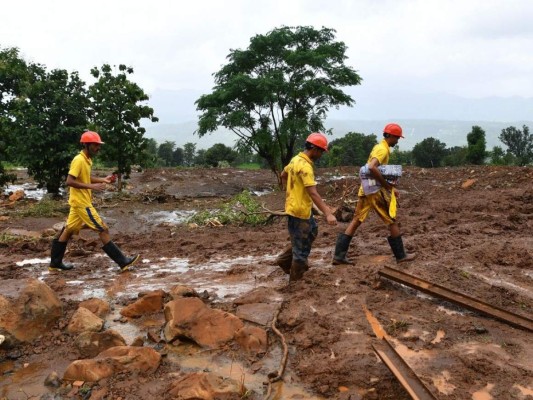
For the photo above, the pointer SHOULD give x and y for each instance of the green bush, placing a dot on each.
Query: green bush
(242, 209)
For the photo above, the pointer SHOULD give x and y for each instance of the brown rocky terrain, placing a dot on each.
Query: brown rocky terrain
(202, 301)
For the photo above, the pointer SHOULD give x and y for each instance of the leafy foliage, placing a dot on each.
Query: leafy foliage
(399, 157)
(476, 152)
(429, 153)
(165, 152)
(48, 123)
(118, 109)
(352, 149)
(519, 143)
(189, 151)
(500, 157)
(219, 153)
(455, 156)
(13, 78)
(241, 209)
(278, 90)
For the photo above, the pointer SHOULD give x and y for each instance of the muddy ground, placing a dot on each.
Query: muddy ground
(475, 240)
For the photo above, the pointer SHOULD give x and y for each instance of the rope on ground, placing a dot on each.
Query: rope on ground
(274, 377)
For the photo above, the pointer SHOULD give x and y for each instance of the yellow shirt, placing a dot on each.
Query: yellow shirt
(300, 173)
(80, 168)
(381, 152)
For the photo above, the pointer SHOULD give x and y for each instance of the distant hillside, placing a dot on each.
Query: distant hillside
(453, 133)
(442, 116)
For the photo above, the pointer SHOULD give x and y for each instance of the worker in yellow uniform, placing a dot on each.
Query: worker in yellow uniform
(299, 179)
(82, 213)
(379, 199)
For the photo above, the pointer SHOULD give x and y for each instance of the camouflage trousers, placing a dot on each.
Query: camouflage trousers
(303, 233)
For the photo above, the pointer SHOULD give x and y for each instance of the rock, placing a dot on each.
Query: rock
(253, 340)
(48, 232)
(84, 320)
(98, 307)
(33, 313)
(148, 304)
(112, 361)
(182, 291)
(53, 380)
(17, 195)
(468, 183)
(205, 386)
(259, 313)
(90, 344)
(191, 318)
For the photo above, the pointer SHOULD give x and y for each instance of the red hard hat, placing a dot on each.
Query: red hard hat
(90, 137)
(319, 140)
(393, 129)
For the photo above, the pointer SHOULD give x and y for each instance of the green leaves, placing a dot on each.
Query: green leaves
(278, 90)
(49, 123)
(117, 111)
(519, 143)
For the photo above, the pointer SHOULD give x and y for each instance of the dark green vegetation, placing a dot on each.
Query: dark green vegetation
(272, 94)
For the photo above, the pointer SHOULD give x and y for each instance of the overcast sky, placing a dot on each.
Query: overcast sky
(467, 48)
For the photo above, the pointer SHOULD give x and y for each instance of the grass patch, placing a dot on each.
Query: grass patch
(242, 209)
(44, 208)
(249, 166)
(6, 238)
(465, 274)
(396, 327)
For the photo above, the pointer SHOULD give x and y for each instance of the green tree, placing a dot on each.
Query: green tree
(398, 157)
(118, 109)
(498, 156)
(429, 153)
(199, 158)
(455, 156)
(519, 143)
(14, 76)
(352, 149)
(149, 154)
(278, 90)
(189, 154)
(476, 150)
(177, 157)
(218, 153)
(165, 152)
(49, 122)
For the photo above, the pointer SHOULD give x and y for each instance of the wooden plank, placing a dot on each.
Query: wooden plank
(463, 300)
(401, 370)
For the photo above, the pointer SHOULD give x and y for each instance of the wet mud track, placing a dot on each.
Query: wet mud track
(475, 240)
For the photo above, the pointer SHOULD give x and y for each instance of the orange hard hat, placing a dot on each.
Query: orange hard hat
(393, 129)
(319, 140)
(90, 137)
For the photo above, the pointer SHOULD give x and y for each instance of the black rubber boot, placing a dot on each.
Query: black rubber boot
(396, 245)
(298, 268)
(56, 259)
(114, 252)
(284, 260)
(341, 249)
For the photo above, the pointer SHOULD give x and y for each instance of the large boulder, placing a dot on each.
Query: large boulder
(113, 361)
(32, 313)
(189, 317)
